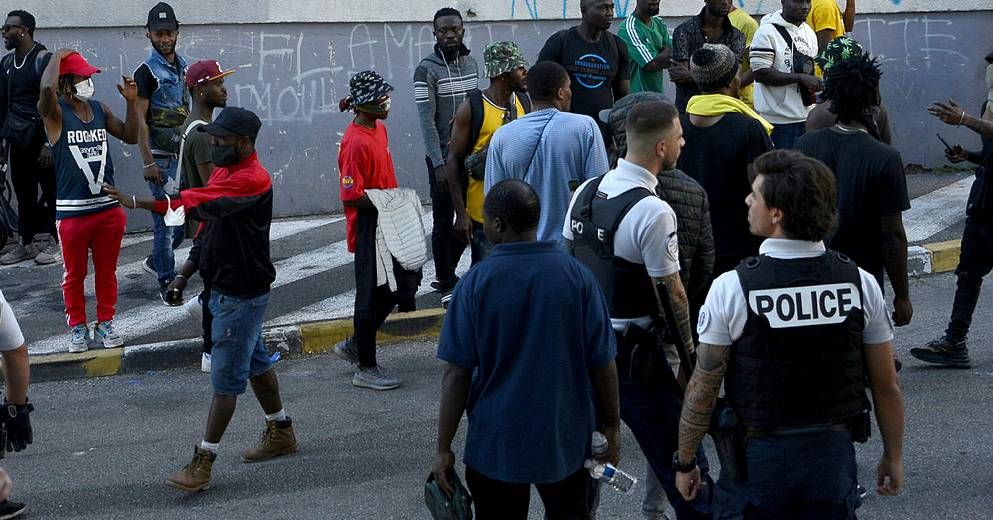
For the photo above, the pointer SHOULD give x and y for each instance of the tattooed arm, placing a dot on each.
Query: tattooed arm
(676, 297)
(698, 405)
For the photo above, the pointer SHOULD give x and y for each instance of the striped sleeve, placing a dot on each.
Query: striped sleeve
(639, 46)
(762, 53)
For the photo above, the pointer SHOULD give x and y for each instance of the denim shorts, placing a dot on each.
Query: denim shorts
(239, 352)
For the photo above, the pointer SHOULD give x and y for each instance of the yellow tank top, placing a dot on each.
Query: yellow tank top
(492, 120)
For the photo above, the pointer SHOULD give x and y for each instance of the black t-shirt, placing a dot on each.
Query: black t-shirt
(595, 68)
(718, 157)
(145, 81)
(20, 87)
(871, 183)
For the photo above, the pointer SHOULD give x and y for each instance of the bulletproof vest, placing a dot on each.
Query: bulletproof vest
(594, 222)
(800, 359)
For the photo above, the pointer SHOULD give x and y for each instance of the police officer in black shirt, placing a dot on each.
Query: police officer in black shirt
(796, 335)
(25, 149)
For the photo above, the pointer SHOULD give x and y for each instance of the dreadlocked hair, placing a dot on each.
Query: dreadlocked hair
(852, 87)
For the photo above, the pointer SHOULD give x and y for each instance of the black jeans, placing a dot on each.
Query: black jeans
(651, 403)
(496, 500)
(35, 216)
(374, 302)
(446, 248)
(975, 262)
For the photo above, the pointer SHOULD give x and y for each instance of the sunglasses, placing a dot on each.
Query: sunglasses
(9, 26)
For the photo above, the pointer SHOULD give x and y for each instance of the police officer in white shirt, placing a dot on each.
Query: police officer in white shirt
(15, 413)
(796, 335)
(626, 235)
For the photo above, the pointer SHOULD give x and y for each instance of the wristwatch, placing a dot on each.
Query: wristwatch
(680, 467)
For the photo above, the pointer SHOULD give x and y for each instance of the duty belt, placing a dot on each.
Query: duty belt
(752, 432)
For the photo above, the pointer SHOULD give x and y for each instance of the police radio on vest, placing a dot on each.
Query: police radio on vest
(806, 306)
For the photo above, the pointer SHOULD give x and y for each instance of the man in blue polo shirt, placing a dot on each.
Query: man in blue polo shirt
(526, 387)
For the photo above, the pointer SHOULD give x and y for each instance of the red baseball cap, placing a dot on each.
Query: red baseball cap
(76, 64)
(203, 71)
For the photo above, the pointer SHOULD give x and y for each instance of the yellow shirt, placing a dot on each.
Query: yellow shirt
(826, 15)
(492, 120)
(744, 22)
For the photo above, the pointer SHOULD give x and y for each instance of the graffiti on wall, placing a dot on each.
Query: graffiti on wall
(533, 8)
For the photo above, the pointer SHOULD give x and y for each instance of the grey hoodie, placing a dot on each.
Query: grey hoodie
(439, 88)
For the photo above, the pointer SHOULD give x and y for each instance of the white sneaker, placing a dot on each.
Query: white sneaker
(80, 338)
(104, 333)
(205, 363)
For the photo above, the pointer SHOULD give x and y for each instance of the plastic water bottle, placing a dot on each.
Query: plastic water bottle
(606, 472)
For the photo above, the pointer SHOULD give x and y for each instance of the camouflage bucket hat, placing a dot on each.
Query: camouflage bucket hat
(502, 57)
(838, 50)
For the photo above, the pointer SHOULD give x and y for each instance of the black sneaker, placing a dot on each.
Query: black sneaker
(147, 265)
(9, 509)
(942, 351)
(444, 288)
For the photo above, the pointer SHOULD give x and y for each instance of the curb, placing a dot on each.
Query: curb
(289, 341)
(940, 257)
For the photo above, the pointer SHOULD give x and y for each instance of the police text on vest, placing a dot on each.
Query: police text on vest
(806, 306)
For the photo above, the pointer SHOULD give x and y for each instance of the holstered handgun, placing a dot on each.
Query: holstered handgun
(729, 440)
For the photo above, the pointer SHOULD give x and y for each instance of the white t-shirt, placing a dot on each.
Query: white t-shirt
(783, 104)
(646, 235)
(10, 332)
(723, 316)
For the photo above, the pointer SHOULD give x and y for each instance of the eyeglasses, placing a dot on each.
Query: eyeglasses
(9, 26)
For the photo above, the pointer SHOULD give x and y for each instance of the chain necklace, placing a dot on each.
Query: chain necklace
(850, 129)
(18, 67)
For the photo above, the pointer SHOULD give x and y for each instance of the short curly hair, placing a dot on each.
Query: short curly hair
(803, 189)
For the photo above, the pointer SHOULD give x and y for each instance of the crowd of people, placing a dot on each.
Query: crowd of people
(603, 220)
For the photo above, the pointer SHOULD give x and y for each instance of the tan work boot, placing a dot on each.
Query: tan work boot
(277, 439)
(195, 476)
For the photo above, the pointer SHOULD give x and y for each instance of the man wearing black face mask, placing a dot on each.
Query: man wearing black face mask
(236, 210)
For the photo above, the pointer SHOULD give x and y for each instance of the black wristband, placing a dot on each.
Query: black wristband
(680, 467)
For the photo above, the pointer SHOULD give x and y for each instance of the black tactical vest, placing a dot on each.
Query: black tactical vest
(800, 359)
(594, 222)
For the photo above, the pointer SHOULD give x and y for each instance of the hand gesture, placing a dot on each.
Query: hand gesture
(117, 195)
(129, 90)
(950, 113)
(956, 154)
(152, 174)
(444, 462)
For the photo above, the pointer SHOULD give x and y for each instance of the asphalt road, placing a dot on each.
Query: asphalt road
(103, 446)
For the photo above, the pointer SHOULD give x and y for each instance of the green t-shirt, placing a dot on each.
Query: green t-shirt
(644, 43)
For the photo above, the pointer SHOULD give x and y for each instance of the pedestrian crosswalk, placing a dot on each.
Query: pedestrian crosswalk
(314, 278)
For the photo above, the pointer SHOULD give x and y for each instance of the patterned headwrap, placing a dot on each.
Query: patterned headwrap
(502, 57)
(365, 87)
(839, 49)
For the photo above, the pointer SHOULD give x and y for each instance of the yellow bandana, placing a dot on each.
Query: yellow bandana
(709, 105)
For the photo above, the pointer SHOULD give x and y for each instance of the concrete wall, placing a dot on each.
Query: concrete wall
(114, 13)
(292, 75)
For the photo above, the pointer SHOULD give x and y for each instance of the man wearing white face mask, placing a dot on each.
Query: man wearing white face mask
(87, 219)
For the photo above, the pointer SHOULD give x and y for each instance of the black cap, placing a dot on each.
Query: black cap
(989, 58)
(234, 121)
(162, 17)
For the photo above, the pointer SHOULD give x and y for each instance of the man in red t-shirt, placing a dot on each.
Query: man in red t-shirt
(364, 162)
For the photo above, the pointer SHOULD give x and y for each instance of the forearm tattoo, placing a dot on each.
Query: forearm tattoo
(681, 310)
(701, 396)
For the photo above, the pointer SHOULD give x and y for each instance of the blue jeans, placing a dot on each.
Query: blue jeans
(239, 353)
(811, 476)
(785, 136)
(165, 239)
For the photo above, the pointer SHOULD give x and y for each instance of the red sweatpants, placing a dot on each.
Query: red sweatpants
(101, 233)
